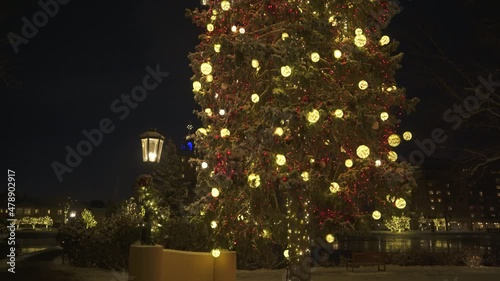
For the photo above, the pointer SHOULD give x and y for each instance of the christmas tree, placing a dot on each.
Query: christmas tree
(300, 110)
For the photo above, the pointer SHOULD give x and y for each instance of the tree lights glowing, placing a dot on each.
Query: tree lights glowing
(306, 131)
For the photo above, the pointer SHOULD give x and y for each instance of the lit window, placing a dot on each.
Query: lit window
(20, 211)
(36, 211)
(448, 193)
(1, 211)
(432, 207)
(48, 212)
(438, 192)
(27, 211)
(431, 192)
(439, 200)
(498, 194)
(481, 193)
(450, 208)
(432, 200)
(498, 186)
(59, 212)
(447, 185)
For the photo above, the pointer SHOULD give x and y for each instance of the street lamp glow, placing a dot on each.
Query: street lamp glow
(152, 144)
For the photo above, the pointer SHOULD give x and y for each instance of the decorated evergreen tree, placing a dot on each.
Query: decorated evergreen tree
(300, 112)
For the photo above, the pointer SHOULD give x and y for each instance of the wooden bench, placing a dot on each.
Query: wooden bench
(365, 258)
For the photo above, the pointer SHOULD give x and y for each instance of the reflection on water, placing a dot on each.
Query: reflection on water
(31, 250)
(429, 243)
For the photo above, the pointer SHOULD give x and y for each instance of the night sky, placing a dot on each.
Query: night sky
(66, 78)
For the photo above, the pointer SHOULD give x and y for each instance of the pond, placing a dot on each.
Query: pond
(450, 242)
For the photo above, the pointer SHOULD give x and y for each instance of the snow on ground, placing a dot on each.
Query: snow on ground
(50, 268)
(394, 272)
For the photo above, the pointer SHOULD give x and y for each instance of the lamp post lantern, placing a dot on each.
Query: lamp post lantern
(152, 144)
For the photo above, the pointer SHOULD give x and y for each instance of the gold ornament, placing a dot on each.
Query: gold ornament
(363, 85)
(225, 133)
(393, 140)
(363, 151)
(280, 159)
(286, 71)
(313, 116)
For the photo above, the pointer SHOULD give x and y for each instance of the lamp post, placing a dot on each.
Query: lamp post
(152, 144)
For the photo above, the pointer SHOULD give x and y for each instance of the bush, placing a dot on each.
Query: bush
(106, 245)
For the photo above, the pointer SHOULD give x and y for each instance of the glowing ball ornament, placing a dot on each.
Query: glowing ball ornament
(225, 5)
(280, 159)
(242, 30)
(215, 192)
(337, 54)
(384, 40)
(196, 86)
(348, 163)
(339, 113)
(305, 176)
(206, 68)
(315, 57)
(225, 133)
(378, 163)
(278, 131)
(284, 35)
(213, 224)
(234, 29)
(392, 155)
(407, 136)
(202, 131)
(330, 238)
(204, 165)
(209, 78)
(358, 31)
(286, 71)
(208, 112)
(360, 40)
(313, 116)
(222, 112)
(394, 140)
(334, 187)
(384, 116)
(210, 27)
(215, 253)
(255, 63)
(400, 203)
(376, 215)
(217, 48)
(253, 180)
(286, 253)
(255, 98)
(363, 151)
(363, 85)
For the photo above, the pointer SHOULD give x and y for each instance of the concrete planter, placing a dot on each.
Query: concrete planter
(153, 263)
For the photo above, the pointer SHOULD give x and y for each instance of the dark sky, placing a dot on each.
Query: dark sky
(65, 79)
